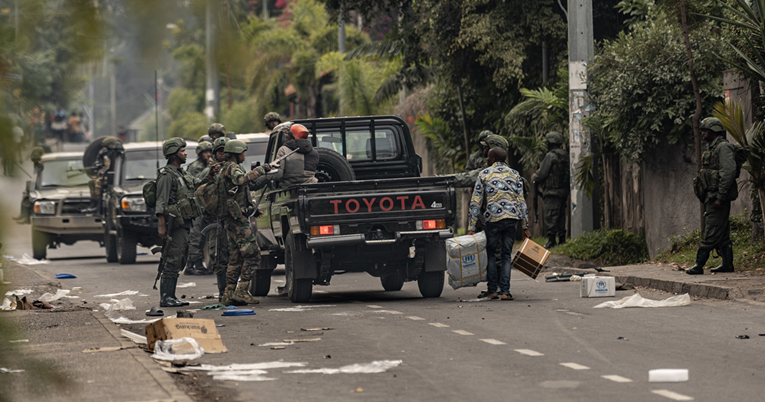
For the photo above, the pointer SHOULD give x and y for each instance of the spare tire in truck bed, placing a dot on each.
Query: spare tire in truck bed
(333, 167)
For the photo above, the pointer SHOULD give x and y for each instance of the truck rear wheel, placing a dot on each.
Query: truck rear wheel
(299, 290)
(333, 167)
(431, 284)
(126, 247)
(110, 244)
(39, 244)
(261, 282)
(392, 282)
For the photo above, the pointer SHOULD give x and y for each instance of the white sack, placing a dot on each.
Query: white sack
(466, 260)
(639, 301)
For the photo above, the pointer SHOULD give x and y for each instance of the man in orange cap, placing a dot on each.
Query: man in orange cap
(300, 167)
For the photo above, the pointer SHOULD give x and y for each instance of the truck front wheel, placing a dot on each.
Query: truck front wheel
(299, 290)
(126, 244)
(392, 282)
(110, 244)
(431, 284)
(39, 244)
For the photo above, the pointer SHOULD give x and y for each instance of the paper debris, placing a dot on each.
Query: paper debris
(118, 305)
(106, 349)
(125, 293)
(303, 340)
(27, 260)
(19, 292)
(186, 285)
(639, 301)
(60, 293)
(241, 367)
(6, 371)
(133, 336)
(8, 305)
(379, 366)
(316, 329)
(302, 308)
(277, 344)
(19, 341)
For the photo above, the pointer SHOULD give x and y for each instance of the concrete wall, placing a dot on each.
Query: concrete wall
(737, 88)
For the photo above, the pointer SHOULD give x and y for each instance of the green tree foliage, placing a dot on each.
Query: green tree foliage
(447, 148)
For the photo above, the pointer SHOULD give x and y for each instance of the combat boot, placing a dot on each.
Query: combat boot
(221, 284)
(701, 258)
(177, 300)
(228, 297)
(242, 293)
(561, 240)
(727, 260)
(166, 290)
(192, 268)
(550, 242)
(95, 206)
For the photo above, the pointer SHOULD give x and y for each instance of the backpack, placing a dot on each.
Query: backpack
(741, 155)
(150, 193)
(212, 197)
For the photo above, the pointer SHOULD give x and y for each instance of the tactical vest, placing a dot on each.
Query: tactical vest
(558, 179)
(708, 180)
(182, 202)
(239, 202)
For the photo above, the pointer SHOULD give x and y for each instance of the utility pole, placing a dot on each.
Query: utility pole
(212, 103)
(113, 100)
(581, 50)
(265, 10)
(341, 49)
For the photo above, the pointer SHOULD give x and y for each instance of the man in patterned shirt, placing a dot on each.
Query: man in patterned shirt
(505, 206)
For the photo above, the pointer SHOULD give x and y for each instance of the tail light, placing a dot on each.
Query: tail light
(431, 224)
(325, 230)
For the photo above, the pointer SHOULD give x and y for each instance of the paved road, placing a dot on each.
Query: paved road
(547, 345)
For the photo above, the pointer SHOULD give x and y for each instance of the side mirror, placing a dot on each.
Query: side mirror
(110, 178)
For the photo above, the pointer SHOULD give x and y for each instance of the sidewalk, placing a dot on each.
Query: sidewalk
(56, 368)
(748, 285)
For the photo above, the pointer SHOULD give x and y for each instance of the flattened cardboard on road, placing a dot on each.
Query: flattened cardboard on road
(203, 331)
(530, 258)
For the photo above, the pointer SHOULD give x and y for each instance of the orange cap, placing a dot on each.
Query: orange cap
(299, 131)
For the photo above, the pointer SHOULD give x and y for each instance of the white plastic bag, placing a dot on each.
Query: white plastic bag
(177, 349)
(466, 260)
(639, 301)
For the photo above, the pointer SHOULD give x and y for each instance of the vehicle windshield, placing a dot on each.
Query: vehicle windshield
(256, 152)
(142, 164)
(63, 173)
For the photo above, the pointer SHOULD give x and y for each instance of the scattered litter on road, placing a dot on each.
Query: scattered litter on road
(621, 338)
(213, 307)
(186, 285)
(639, 301)
(23, 304)
(242, 366)
(77, 288)
(316, 329)
(8, 305)
(60, 293)
(563, 278)
(41, 305)
(7, 371)
(181, 349)
(19, 341)
(220, 325)
(27, 260)
(106, 349)
(121, 305)
(235, 377)
(228, 313)
(668, 375)
(19, 292)
(184, 314)
(278, 347)
(133, 336)
(379, 366)
(303, 340)
(125, 293)
(302, 308)
(117, 318)
(65, 276)
(155, 311)
(277, 344)
(328, 356)
(742, 337)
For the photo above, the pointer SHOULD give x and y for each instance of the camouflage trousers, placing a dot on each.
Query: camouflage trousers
(176, 252)
(95, 185)
(243, 251)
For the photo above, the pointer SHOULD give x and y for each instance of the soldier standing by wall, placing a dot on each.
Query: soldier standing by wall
(175, 196)
(244, 254)
(197, 170)
(716, 187)
(553, 176)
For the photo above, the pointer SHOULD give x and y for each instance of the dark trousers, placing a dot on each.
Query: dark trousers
(555, 216)
(717, 234)
(500, 234)
(176, 252)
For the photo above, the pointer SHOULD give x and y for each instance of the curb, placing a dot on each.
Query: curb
(160, 376)
(701, 290)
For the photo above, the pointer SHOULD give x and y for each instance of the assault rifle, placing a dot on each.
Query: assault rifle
(165, 244)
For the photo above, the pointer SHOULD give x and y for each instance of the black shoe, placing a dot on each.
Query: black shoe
(727, 260)
(166, 291)
(550, 242)
(193, 269)
(701, 258)
(561, 240)
(177, 300)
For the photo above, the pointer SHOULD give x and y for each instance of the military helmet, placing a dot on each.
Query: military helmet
(554, 138)
(109, 142)
(219, 143)
(37, 153)
(482, 137)
(712, 124)
(173, 145)
(206, 138)
(271, 116)
(494, 140)
(204, 146)
(216, 129)
(235, 147)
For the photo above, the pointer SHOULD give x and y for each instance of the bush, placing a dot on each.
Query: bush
(607, 247)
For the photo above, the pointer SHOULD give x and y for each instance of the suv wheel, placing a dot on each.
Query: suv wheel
(431, 284)
(295, 254)
(39, 244)
(110, 244)
(392, 282)
(126, 243)
(261, 282)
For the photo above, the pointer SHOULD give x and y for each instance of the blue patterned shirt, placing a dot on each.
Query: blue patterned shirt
(503, 189)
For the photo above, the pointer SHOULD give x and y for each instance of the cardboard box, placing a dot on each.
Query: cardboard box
(203, 331)
(598, 286)
(530, 258)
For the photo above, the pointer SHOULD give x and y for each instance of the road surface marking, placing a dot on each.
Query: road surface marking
(438, 324)
(672, 395)
(575, 366)
(373, 306)
(461, 332)
(493, 341)
(616, 378)
(529, 352)
(415, 318)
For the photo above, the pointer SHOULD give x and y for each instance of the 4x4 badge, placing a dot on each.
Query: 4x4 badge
(435, 205)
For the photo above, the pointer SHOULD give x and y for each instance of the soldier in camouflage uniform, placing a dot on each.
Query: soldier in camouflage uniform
(272, 119)
(244, 254)
(175, 196)
(215, 131)
(219, 254)
(716, 187)
(198, 170)
(103, 165)
(553, 177)
(477, 159)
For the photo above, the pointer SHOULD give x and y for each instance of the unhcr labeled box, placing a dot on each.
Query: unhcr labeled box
(598, 286)
(530, 258)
